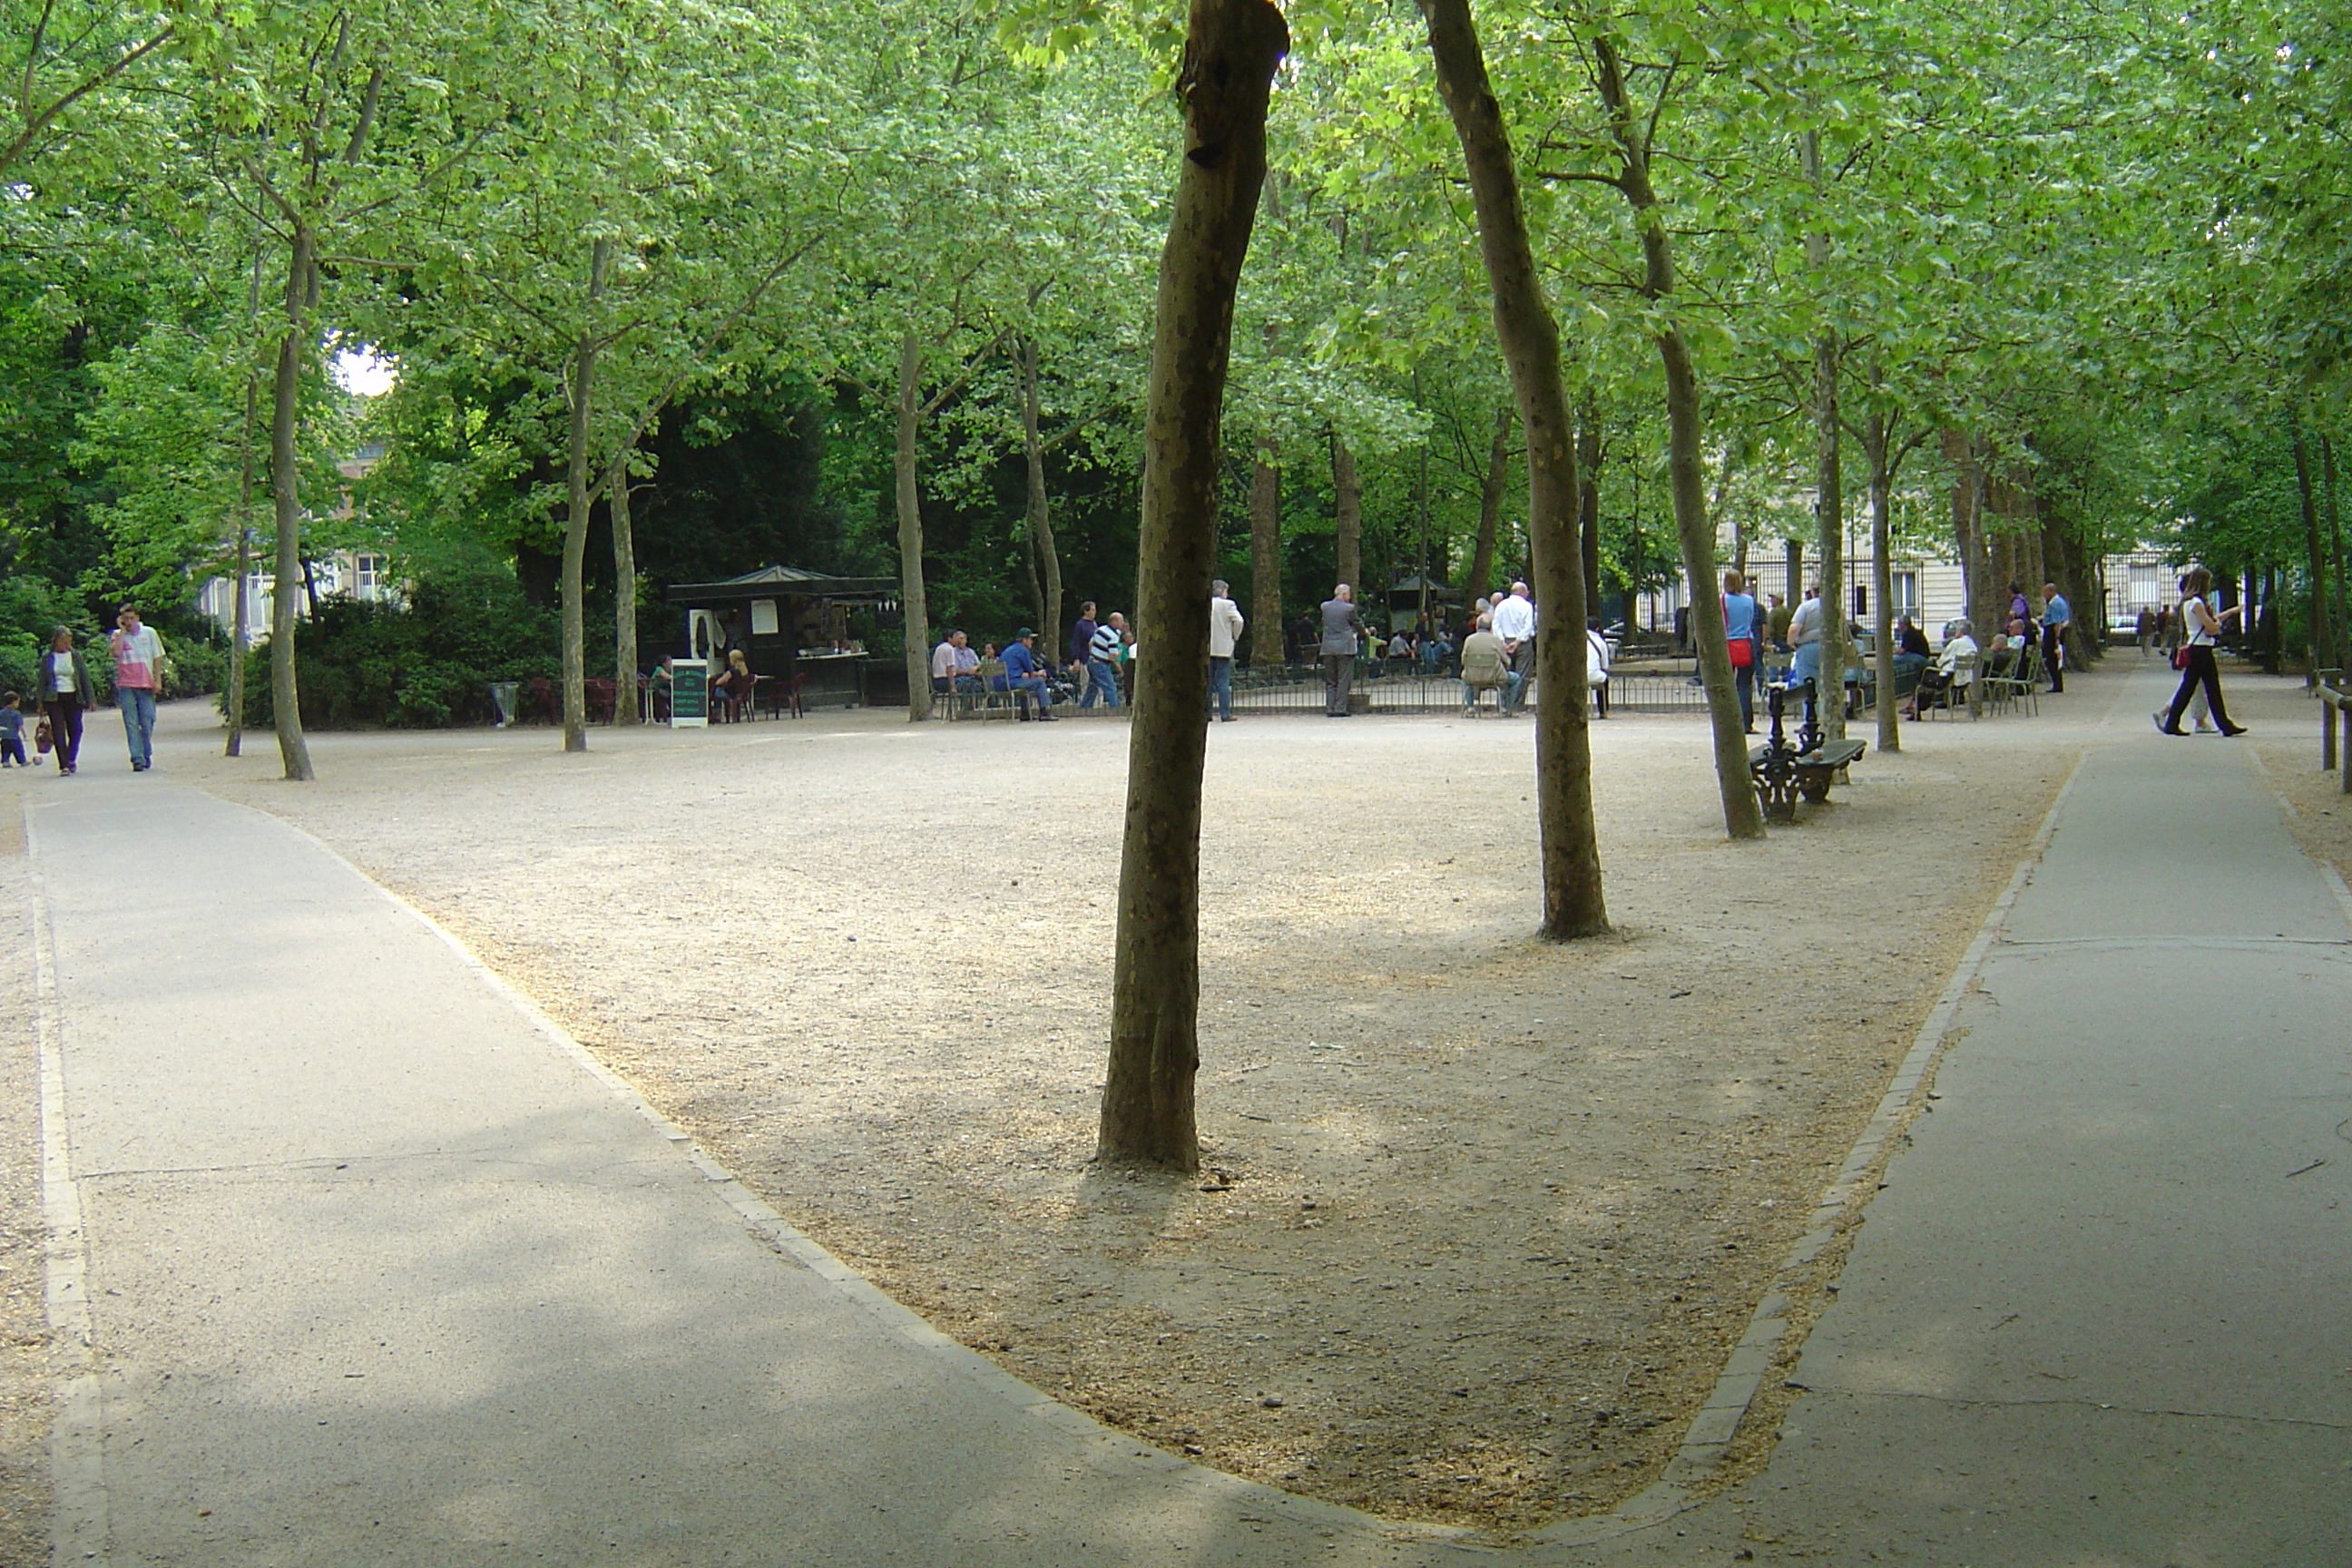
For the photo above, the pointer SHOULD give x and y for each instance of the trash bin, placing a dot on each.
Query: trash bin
(502, 700)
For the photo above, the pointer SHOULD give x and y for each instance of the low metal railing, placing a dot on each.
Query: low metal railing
(2333, 703)
(1300, 691)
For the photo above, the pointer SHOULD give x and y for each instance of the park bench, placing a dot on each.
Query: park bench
(1788, 768)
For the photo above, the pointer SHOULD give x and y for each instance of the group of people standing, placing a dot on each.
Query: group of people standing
(63, 691)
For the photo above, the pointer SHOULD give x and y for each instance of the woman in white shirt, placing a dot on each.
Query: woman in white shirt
(2199, 627)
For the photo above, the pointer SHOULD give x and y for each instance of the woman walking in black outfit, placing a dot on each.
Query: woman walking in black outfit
(2199, 627)
(65, 690)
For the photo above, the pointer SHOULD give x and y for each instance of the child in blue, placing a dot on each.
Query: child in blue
(12, 733)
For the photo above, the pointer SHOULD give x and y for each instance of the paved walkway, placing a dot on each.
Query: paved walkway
(376, 1268)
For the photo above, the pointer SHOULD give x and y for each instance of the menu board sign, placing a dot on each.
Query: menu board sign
(689, 694)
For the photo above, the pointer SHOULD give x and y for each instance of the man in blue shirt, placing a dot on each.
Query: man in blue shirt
(1024, 673)
(2056, 616)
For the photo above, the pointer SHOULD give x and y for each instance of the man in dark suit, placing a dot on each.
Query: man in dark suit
(1343, 625)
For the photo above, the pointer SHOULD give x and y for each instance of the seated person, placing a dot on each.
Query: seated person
(1400, 648)
(1434, 651)
(1936, 685)
(731, 687)
(950, 673)
(1486, 667)
(1910, 642)
(1024, 673)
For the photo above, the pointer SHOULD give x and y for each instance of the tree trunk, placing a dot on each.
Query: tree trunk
(911, 597)
(1348, 517)
(624, 592)
(1265, 558)
(286, 492)
(1232, 49)
(1490, 504)
(1743, 812)
(1829, 488)
(1588, 497)
(582, 393)
(241, 614)
(1041, 521)
(1573, 905)
(2343, 622)
(1876, 438)
(2323, 651)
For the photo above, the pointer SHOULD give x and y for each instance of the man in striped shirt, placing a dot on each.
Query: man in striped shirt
(1102, 661)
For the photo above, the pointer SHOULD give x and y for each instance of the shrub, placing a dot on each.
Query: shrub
(422, 665)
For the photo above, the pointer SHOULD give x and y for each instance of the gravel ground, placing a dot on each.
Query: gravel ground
(1480, 1215)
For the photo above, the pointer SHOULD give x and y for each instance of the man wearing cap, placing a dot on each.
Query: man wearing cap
(1226, 624)
(138, 674)
(1024, 673)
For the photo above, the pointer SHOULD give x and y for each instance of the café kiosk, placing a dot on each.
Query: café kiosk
(793, 622)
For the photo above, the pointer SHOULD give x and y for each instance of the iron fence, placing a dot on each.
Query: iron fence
(1299, 689)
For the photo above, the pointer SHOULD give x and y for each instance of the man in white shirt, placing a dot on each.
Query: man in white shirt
(949, 672)
(1805, 637)
(1225, 626)
(1515, 623)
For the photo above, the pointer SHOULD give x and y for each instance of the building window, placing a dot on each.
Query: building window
(1903, 587)
(367, 575)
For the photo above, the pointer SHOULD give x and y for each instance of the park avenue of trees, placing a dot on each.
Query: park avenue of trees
(1037, 294)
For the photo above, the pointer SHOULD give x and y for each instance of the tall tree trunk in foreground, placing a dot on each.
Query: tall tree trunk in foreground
(1265, 558)
(913, 600)
(1876, 436)
(1348, 518)
(2323, 651)
(286, 492)
(582, 393)
(1490, 504)
(1573, 906)
(624, 592)
(1743, 813)
(1588, 497)
(1231, 50)
(1041, 520)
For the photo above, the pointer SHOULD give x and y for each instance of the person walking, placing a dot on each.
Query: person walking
(1225, 628)
(1741, 623)
(138, 681)
(1805, 637)
(2199, 627)
(2056, 616)
(1102, 663)
(1515, 623)
(63, 681)
(1343, 630)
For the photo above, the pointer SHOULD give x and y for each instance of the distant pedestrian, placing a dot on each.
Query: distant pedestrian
(1743, 627)
(1225, 628)
(138, 681)
(1805, 638)
(1343, 631)
(1515, 623)
(1081, 649)
(12, 733)
(1102, 663)
(2056, 616)
(2198, 626)
(2144, 630)
(64, 683)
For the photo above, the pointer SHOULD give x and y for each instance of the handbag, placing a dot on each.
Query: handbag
(2180, 657)
(42, 737)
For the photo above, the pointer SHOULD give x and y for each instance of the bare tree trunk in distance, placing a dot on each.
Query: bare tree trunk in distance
(1348, 518)
(1743, 813)
(1876, 438)
(1829, 489)
(1265, 557)
(625, 593)
(1490, 504)
(911, 597)
(582, 392)
(1041, 520)
(286, 492)
(1573, 905)
(1232, 49)
(241, 614)
(1588, 497)
(2343, 622)
(2323, 639)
